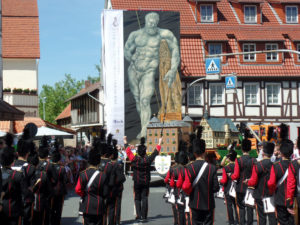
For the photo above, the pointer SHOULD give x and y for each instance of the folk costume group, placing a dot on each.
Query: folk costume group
(270, 186)
(33, 187)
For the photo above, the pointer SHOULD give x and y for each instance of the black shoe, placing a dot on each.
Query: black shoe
(144, 220)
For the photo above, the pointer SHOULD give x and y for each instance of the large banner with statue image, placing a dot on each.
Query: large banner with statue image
(151, 67)
(142, 56)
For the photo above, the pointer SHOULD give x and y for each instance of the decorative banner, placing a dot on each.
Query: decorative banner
(152, 65)
(113, 71)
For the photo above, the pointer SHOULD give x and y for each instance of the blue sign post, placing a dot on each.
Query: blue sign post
(230, 84)
(213, 65)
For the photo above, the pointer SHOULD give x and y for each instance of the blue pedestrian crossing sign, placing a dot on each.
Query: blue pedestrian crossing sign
(212, 65)
(230, 82)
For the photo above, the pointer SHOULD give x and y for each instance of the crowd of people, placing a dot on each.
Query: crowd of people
(269, 184)
(34, 181)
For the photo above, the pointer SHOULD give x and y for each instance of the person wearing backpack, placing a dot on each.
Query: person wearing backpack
(259, 179)
(242, 171)
(278, 183)
(25, 146)
(227, 182)
(60, 188)
(141, 164)
(11, 203)
(92, 187)
(200, 184)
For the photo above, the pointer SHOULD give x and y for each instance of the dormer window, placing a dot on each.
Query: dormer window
(206, 12)
(250, 14)
(291, 13)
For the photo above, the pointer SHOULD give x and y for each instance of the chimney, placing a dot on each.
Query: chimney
(87, 84)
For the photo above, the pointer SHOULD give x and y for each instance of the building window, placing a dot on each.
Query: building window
(174, 148)
(168, 141)
(298, 49)
(249, 48)
(156, 141)
(195, 96)
(274, 55)
(168, 149)
(206, 12)
(291, 13)
(150, 149)
(273, 94)
(250, 14)
(216, 94)
(162, 149)
(149, 131)
(215, 48)
(251, 94)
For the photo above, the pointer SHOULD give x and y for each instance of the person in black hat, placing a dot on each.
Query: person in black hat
(200, 184)
(43, 186)
(25, 147)
(93, 189)
(259, 179)
(116, 184)
(60, 188)
(179, 172)
(13, 187)
(141, 164)
(169, 182)
(293, 186)
(226, 182)
(242, 171)
(278, 183)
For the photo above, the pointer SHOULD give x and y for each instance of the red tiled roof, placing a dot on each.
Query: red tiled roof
(5, 126)
(84, 91)
(20, 37)
(19, 8)
(247, 1)
(20, 29)
(65, 113)
(193, 35)
(295, 35)
(284, 1)
(258, 35)
(19, 125)
(217, 35)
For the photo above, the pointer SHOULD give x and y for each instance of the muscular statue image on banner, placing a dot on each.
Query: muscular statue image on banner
(148, 50)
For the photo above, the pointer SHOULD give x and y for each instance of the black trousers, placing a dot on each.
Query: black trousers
(242, 210)
(283, 216)
(27, 213)
(231, 207)
(56, 209)
(118, 209)
(181, 214)
(188, 219)
(202, 217)
(93, 220)
(262, 217)
(175, 214)
(38, 217)
(9, 220)
(111, 207)
(141, 193)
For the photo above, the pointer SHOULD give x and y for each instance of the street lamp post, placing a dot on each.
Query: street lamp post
(44, 100)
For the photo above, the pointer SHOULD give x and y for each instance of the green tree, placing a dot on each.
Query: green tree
(57, 95)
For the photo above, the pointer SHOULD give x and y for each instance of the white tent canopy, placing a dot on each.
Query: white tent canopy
(2, 133)
(46, 131)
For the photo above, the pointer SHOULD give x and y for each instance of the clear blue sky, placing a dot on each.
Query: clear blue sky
(70, 39)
